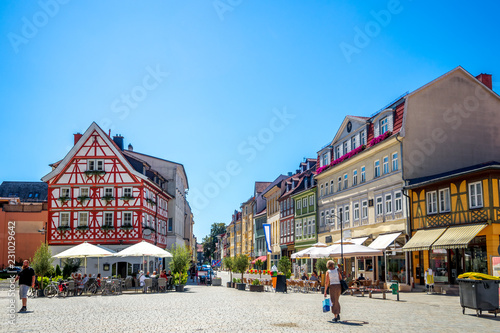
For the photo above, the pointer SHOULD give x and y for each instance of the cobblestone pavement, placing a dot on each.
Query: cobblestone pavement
(220, 309)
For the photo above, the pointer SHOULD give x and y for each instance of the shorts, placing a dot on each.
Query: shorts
(23, 291)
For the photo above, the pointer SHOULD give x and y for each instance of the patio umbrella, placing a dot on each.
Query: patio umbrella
(306, 252)
(143, 249)
(84, 250)
(350, 250)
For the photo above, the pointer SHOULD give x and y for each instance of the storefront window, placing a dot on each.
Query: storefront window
(439, 265)
(396, 267)
(476, 259)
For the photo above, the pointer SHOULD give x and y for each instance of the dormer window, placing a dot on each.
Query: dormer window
(325, 159)
(338, 151)
(345, 148)
(362, 137)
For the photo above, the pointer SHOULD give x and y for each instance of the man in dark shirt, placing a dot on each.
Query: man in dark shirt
(26, 279)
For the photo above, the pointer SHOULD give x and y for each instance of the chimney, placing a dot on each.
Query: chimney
(486, 80)
(130, 147)
(290, 174)
(77, 137)
(118, 139)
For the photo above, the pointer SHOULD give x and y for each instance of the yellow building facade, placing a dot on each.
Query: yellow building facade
(455, 223)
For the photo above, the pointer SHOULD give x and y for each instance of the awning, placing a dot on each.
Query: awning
(261, 258)
(423, 239)
(458, 237)
(383, 241)
(357, 241)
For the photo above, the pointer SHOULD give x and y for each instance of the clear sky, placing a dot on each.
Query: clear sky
(237, 91)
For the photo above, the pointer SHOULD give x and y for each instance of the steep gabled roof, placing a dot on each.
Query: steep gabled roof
(25, 191)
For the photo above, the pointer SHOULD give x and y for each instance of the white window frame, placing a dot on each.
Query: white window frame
(340, 216)
(388, 203)
(362, 138)
(61, 219)
(347, 216)
(65, 189)
(326, 188)
(95, 165)
(105, 217)
(338, 151)
(353, 142)
(398, 201)
(385, 165)
(363, 174)
(83, 222)
(108, 189)
(431, 202)
(444, 201)
(304, 203)
(327, 217)
(395, 164)
(476, 194)
(344, 148)
(346, 181)
(364, 209)
(355, 177)
(332, 217)
(379, 206)
(126, 189)
(83, 189)
(355, 211)
(384, 125)
(322, 219)
(376, 169)
(339, 184)
(320, 194)
(125, 219)
(299, 204)
(331, 186)
(311, 200)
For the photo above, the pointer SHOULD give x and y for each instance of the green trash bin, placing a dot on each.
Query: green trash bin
(479, 295)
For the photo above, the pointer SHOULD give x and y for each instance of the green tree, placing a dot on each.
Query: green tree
(210, 240)
(228, 263)
(285, 266)
(241, 264)
(321, 267)
(70, 266)
(42, 261)
(58, 270)
(181, 260)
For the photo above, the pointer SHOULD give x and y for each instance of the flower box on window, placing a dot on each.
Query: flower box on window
(64, 199)
(151, 202)
(90, 173)
(127, 198)
(82, 227)
(108, 198)
(63, 228)
(127, 227)
(107, 227)
(81, 199)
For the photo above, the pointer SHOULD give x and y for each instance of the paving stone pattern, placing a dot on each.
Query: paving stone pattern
(220, 309)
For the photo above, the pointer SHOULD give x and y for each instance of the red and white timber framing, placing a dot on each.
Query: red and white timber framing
(95, 195)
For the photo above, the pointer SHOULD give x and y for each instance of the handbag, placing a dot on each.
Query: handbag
(326, 305)
(343, 286)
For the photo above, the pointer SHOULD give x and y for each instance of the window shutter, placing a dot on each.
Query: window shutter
(390, 121)
(376, 129)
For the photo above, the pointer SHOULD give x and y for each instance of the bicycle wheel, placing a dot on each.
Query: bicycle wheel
(50, 291)
(93, 289)
(113, 290)
(63, 293)
(32, 293)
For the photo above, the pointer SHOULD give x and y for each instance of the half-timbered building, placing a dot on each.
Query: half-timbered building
(100, 195)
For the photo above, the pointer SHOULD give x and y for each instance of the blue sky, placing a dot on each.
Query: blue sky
(238, 91)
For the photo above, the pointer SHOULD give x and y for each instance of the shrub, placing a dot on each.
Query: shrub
(256, 282)
(58, 271)
(180, 279)
(241, 264)
(42, 261)
(181, 259)
(285, 266)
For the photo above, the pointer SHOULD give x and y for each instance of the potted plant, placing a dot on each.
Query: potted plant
(228, 263)
(81, 199)
(240, 266)
(321, 267)
(285, 266)
(108, 199)
(180, 281)
(256, 286)
(181, 259)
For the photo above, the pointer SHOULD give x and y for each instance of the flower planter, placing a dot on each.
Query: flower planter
(217, 282)
(179, 288)
(229, 284)
(241, 286)
(259, 288)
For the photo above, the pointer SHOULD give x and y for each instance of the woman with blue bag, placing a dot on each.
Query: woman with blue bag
(333, 277)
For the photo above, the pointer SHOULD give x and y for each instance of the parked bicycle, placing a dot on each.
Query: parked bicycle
(33, 292)
(59, 288)
(109, 288)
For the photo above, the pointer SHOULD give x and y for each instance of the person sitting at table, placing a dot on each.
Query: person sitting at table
(85, 279)
(314, 276)
(163, 274)
(98, 279)
(153, 275)
(142, 281)
(358, 282)
(304, 276)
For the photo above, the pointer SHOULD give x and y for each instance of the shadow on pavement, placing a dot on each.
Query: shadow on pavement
(350, 322)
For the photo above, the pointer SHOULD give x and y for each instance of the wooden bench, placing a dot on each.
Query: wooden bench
(371, 291)
(361, 289)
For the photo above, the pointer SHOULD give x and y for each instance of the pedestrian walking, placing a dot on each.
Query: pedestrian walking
(333, 278)
(26, 279)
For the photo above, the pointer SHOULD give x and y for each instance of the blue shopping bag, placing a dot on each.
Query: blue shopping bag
(326, 305)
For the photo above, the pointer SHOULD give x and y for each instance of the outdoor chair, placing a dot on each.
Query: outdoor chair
(71, 287)
(127, 283)
(162, 285)
(148, 284)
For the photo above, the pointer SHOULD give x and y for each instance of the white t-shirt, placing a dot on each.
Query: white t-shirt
(334, 276)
